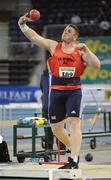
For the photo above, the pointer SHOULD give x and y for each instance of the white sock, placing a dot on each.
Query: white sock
(75, 158)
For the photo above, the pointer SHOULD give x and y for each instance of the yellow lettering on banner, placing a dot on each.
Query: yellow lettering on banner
(93, 45)
(103, 74)
(93, 73)
(104, 48)
(108, 95)
(90, 73)
(97, 45)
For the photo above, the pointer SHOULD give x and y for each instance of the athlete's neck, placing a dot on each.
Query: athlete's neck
(68, 44)
(68, 47)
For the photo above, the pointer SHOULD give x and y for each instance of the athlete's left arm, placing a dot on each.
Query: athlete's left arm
(89, 57)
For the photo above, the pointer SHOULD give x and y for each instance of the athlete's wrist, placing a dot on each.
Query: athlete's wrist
(24, 28)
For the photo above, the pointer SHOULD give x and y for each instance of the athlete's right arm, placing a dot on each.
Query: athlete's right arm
(34, 37)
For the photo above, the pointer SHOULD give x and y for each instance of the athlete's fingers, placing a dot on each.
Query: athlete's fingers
(81, 46)
(27, 17)
(24, 19)
(26, 14)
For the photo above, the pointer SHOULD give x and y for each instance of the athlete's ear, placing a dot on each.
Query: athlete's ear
(75, 37)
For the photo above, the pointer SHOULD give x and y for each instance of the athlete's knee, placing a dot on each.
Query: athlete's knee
(54, 129)
(75, 123)
(57, 128)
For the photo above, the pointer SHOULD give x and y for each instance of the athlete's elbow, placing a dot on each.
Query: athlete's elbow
(98, 64)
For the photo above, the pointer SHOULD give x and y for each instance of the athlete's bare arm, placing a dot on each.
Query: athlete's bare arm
(35, 38)
(89, 57)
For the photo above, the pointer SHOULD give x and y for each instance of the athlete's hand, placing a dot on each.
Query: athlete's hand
(24, 19)
(81, 46)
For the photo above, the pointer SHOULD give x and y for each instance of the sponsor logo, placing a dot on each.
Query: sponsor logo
(53, 117)
(73, 112)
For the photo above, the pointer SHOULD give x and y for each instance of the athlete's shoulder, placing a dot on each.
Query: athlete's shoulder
(56, 48)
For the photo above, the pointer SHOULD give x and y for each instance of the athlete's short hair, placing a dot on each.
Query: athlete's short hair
(75, 28)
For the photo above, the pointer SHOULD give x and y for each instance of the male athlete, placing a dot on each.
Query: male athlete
(66, 64)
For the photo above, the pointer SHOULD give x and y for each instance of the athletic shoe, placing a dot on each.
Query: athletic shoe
(70, 165)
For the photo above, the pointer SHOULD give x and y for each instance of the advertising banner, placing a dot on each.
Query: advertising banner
(19, 94)
(97, 75)
(101, 46)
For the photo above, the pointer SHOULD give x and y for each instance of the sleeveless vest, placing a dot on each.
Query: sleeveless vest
(65, 69)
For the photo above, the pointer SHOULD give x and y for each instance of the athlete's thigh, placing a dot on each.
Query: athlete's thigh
(57, 110)
(73, 103)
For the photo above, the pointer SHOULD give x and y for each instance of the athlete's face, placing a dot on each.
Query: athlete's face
(69, 34)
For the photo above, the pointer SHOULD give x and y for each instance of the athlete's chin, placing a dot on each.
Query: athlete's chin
(64, 39)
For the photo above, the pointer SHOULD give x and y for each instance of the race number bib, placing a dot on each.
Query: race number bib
(67, 72)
